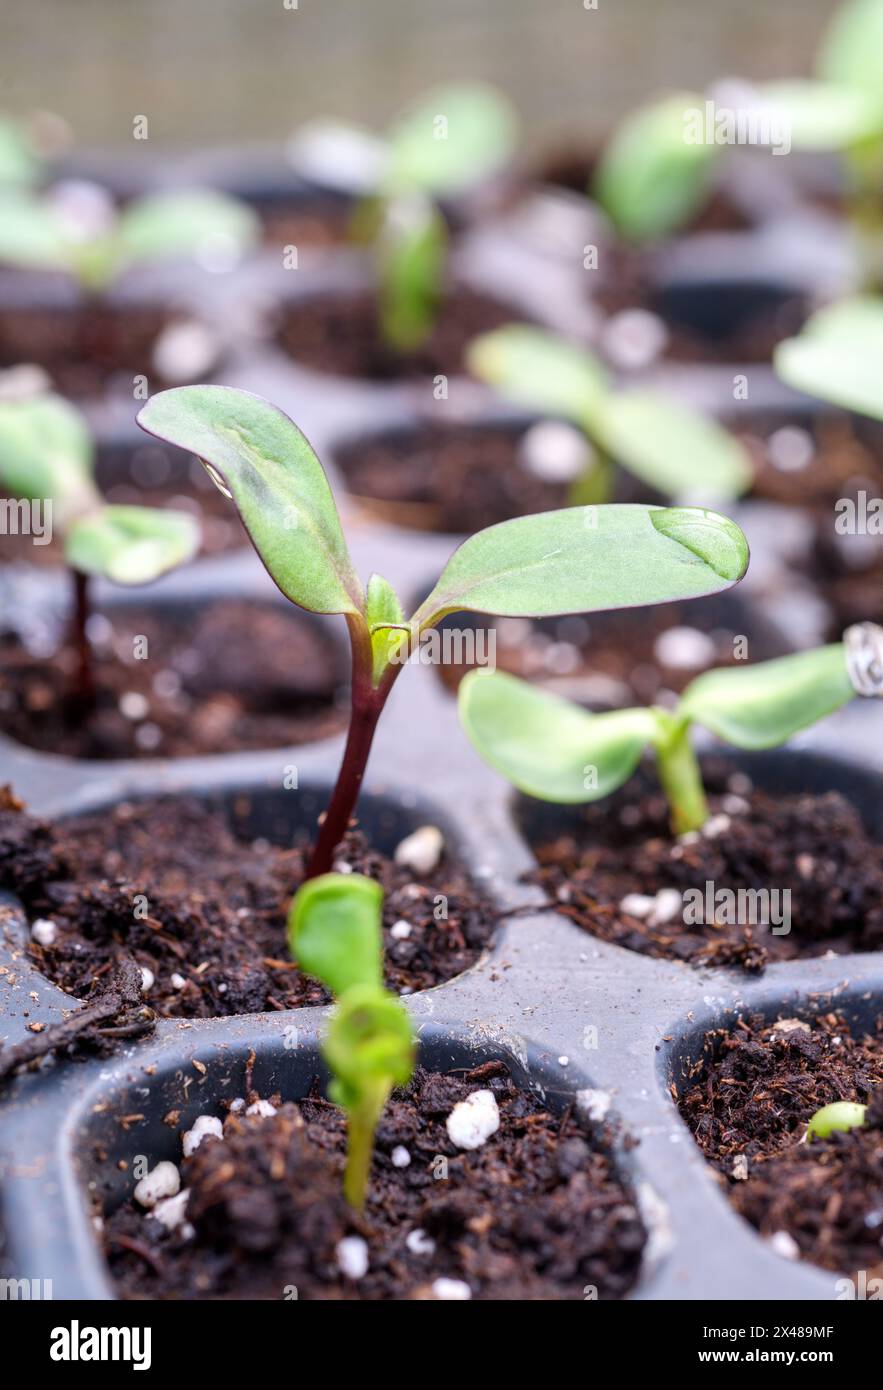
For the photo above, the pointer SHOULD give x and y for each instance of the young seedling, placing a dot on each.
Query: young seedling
(20, 161)
(670, 447)
(842, 1116)
(77, 230)
(450, 141)
(557, 751)
(575, 560)
(335, 934)
(651, 180)
(838, 356)
(46, 461)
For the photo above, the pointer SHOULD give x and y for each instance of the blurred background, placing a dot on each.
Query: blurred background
(236, 71)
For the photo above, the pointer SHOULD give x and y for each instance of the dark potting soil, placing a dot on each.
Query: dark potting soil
(309, 224)
(748, 1104)
(86, 348)
(537, 1212)
(814, 846)
(339, 334)
(216, 679)
(172, 883)
(455, 479)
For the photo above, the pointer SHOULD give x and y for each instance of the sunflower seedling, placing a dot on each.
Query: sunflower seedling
(842, 1116)
(445, 145)
(669, 447)
(46, 460)
(334, 933)
(838, 356)
(75, 229)
(576, 560)
(555, 750)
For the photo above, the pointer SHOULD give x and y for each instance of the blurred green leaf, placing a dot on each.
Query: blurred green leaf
(334, 931)
(541, 371)
(453, 138)
(761, 706)
(822, 116)
(583, 559)
(193, 223)
(838, 356)
(651, 180)
(19, 164)
(549, 747)
(674, 449)
(46, 452)
(131, 545)
(268, 468)
(851, 53)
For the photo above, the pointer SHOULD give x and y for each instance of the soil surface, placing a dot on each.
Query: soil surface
(339, 334)
(748, 1105)
(813, 846)
(202, 905)
(222, 677)
(537, 1212)
(315, 224)
(88, 348)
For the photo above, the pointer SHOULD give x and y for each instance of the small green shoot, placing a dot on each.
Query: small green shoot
(842, 1116)
(44, 232)
(446, 144)
(575, 560)
(669, 447)
(555, 750)
(47, 459)
(335, 934)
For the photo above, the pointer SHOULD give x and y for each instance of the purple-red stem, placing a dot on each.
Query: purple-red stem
(367, 704)
(84, 678)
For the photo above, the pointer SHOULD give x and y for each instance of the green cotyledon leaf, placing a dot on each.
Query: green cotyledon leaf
(652, 179)
(334, 930)
(541, 371)
(586, 559)
(547, 746)
(761, 706)
(451, 139)
(838, 356)
(672, 448)
(46, 452)
(268, 468)
(131, 545)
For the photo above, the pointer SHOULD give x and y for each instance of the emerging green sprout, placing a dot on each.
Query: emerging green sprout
(838, 356)
(77, 231)
(669, 447)
(47, 461)
(842, 1116)
(557, 751)
(576, 560)
(335, 934)
(450, 141)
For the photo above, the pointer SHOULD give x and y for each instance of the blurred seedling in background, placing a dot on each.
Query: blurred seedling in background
(75, 228)
(557, 751)
(47, 457)
(335, 934)
(447, 144)
(653, 181)
(678, 452)
(575, 560)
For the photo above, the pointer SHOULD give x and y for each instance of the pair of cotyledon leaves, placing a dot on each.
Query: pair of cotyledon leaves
(574, 560)
(46, 455)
